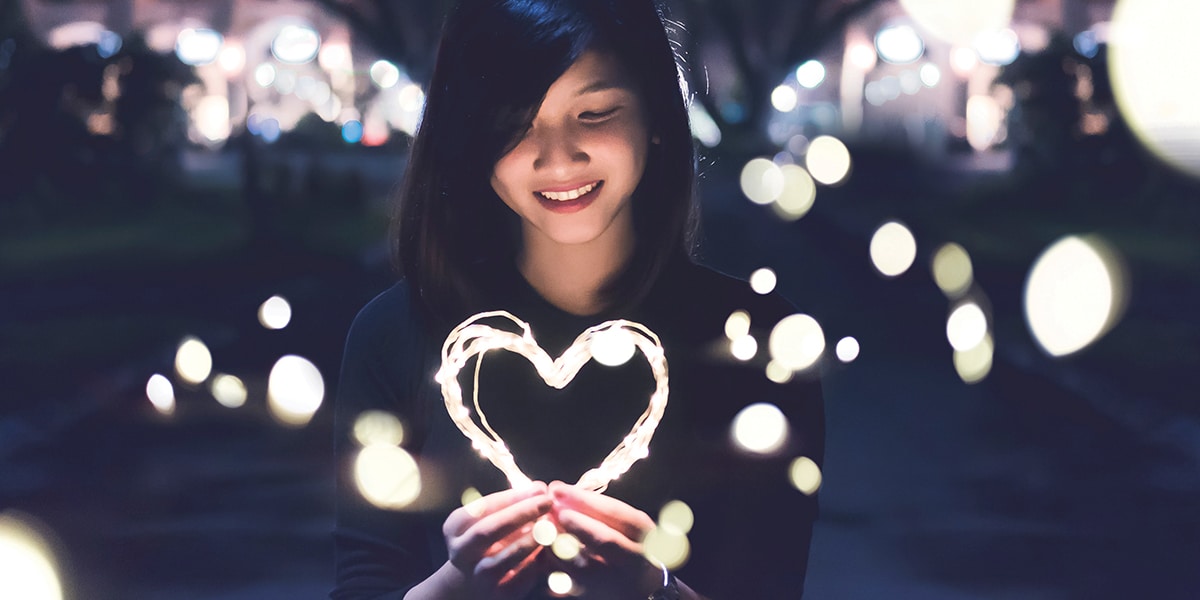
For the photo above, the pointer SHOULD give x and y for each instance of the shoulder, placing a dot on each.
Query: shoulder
(387, 319)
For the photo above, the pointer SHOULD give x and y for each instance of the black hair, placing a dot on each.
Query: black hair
(495, 63)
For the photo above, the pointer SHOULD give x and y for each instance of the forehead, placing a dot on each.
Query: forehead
(593, 71)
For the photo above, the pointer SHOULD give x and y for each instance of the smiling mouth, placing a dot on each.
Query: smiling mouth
(568, 195)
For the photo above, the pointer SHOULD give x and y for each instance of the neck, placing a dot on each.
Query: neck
(570, 276)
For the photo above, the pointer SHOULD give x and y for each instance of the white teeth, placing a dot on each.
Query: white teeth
(571, 195)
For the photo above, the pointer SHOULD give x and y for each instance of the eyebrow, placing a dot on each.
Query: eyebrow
(601, 85)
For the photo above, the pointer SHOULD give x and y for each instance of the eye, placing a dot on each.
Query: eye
(598, 116)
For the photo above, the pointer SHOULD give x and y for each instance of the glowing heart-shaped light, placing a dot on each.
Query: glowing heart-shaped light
(472, 338)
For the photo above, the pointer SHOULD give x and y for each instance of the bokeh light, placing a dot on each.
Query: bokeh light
(743, 347)
(893, 249)
(385, 74)
(862, 56)
(805, 475)
(28, 569)
(930, 75)
(411, 98)
(193, 361)
(275, 313)
(796, 342)
(197, 47)
(161, 394)
(566, 546)
(544, 531)
(228, 390)
(296, 44)
(1149, 42)
(778, 373)
(959, 22)
(352, 131)
(378, 427)
(737, 325)
(264, 75)
(387, 476)
(295, 390)
(662, 547)
(952, 270)
(763, 281)
(999, 47)
(810, 74)
(211, 118)
(760, 428)
(762, 181)
(470, 496)
(559, 583)
(799, 193)
(899, 44)
(974, 364)
(784, 98)
(677, 517)
(966, 326)
(827, 160)
(1074, 293)
(232, 58)
(612, 347)
(985, 120)
(847, 349)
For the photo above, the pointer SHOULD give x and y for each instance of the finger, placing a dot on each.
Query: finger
(496, 568)
(601, 540)
(631, 522)
(465, 516)
(488, 530)
(520, 579)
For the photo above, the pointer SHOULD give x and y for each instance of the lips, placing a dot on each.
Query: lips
(566, 193)
(569, 199)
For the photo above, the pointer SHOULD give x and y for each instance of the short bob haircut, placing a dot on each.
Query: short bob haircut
(496, 61)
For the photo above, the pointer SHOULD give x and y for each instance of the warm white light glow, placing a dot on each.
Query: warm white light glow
(377, 427)
(677, 517)
(762, 181)
(193, 361)
(966, 326)
(385, 74)
(275, 313)
(796, 342)
(211, 117)
(952, 269)
(559, 583)
(295, 390)
(828, 160)
(805, 475)
(161, 394)
(198, 46)
(810, 74)
(1148, 42)
(931, 75)
(232, 58)
(1073, 294)
(784, 98)
(998, 47)
(264, 74)
(963, 61)
(613, 347)
(862, 56)
(985, 119)
(335, 56)
(544, 532)
(387, 476)
(763, 281)
(799, 192)
(778, 373)
(737, 325)
(959, 22)
(893, 249)
(228, 390)
(744, 347)
(411, 98)
(847, 349)
(662, 547)
(975, 363)
(899, 44)
(566, 546)
(760, 428)
(296, 44)
(469, 498)
(27, 564)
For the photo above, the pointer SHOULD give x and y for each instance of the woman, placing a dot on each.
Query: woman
(552, 177)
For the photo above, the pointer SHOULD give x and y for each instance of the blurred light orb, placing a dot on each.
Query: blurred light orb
(612, 347)
(470, 495)
(286, 81)
(1087, 43)
(985, 120)
(778, 373)
(377, 427)
(411, 98)
(763, 281)
(760, 428)
(805, 475)
(744, 347)
(232, 58)
(79, 33)
(952, 270)
(1074, 293)
(847, 349)
(899, 44)
(959, 22)
(762, 181)
(275, 313)
(335, 56)
(566, 546)
(161, 394)
(677, 517)
(559, 583)
(963, 61)
(999, 47)
(910, 82)
(827, 160)
(264, 74)
(810, 74)
(974, 364)
(799, 192)
(387, 476)
(796, 342)
(704, 128)
(966, 326)
(211, 118)
(295, 390)
(544, 532)
(352, 131)
(784, 98)
(662, 547)
(385, 74)
(28, 569)
(193, 361)
(228, 390)
(862, 56)
(1148, 41)
(197, 47)
(893, 249)
(930, 75)
(296, 44)
(737, 325)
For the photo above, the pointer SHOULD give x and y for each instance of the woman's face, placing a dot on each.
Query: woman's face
(572, 175)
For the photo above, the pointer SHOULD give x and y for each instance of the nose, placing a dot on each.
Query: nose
(558, 151)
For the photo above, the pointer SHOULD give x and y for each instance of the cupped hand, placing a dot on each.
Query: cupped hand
(490, 541)
(611, 563)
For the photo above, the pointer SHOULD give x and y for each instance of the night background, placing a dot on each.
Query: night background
(1022, 419)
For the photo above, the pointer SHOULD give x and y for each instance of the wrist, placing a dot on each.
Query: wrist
(668, 588)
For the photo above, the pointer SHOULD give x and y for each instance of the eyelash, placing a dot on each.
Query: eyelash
(595, 117)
